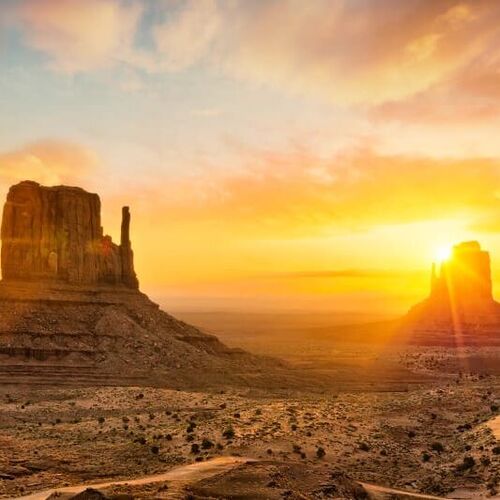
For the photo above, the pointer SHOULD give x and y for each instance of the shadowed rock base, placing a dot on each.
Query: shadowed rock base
(460, 309)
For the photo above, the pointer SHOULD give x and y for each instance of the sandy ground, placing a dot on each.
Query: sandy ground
(431, 440)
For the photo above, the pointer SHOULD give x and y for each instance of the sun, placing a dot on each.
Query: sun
(443, 253)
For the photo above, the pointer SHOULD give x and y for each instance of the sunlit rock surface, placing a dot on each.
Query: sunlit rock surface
(55, 233)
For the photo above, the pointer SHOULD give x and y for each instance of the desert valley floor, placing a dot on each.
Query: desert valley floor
(415, 420)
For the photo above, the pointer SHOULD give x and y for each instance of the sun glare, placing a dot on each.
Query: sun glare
(443, 253)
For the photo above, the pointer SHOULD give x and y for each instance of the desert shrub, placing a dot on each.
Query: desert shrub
(494, 408)
(320, 452)
(140, 396)
(195, 448)
(296, 448)
(101, 420)
(437, 446)
(468, 463)
(294, 427)
(237, 415)
(364, 447)
(411, 434)
(496, 450)
(425, 457)
(155, 450)
(168, 437)
(206, 444)
(228, 433)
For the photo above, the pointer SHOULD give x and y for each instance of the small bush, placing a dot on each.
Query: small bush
(437, 446)
(195, 448)
(206, 444)
(320, 452)
(228, 433)
(155, 450)
(101, 420)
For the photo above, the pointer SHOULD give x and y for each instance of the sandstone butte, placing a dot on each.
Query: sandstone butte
(460, 309)
(71, 311)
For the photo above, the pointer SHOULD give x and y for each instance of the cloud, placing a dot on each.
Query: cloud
(79, 36)
(346, 273)
(185, 39)
(282, 194)
(471, 94)
(345, 51)
(48, 162)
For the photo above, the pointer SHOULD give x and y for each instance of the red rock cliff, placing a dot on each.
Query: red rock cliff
(55, 233)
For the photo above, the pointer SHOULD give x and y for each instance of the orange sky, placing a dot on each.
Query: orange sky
(278, 154)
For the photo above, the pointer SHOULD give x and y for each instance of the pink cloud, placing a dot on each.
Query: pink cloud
(49, 162)
(79, 35)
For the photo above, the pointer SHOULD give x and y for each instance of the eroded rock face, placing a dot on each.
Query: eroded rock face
(55, 233)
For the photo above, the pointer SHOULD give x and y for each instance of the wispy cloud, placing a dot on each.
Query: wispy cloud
(346, 273)
(287, 193)
(79, 36)
(346, 52)
(49, 162)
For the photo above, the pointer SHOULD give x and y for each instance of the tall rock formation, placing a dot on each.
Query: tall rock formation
(71, 312)
(460, 308)
(55, 233)
(465, 278)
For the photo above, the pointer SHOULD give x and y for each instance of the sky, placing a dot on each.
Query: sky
(276, 154)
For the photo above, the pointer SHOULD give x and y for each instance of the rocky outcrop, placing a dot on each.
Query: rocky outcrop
(460, 309)
(464, 279)
(55, 233)
(71, 312)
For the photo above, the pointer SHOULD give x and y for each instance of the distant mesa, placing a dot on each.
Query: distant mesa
(460, 309)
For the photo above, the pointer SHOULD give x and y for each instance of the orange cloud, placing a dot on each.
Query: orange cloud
(471, 94)
(79, 35)
(47, 162)
(297, 193)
